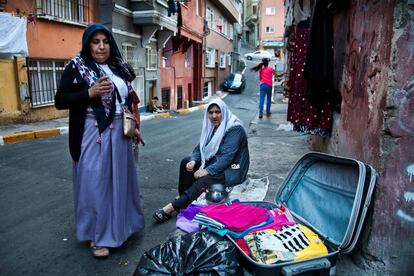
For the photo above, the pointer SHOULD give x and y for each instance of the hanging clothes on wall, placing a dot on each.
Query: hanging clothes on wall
(310, 115)
(172, 7)
(319, 62)
(179, 18)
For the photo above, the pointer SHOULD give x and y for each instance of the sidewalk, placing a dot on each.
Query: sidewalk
(14, 133)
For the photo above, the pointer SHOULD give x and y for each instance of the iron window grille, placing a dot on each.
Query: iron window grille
(151, 58)
(70, 10)
(130, 55)
(44, 78)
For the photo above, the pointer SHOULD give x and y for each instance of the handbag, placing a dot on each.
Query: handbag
(128, 120)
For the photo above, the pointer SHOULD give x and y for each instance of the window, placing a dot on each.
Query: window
(207, 89)
(71, 10)
(229, 59)
(271, 11)
(44, 78)
(210, 57)
(231, 31)
(220, 24)
(151, 58)
(254, 9)
(222, 60)
(210, 18)
(167, 53)
(188, 63)
(270, 29)
(225, 30)
(130, 55)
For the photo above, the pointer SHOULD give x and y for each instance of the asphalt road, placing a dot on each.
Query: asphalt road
(37, 231)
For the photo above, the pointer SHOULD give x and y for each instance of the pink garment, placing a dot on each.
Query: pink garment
(279, 220)
(237, 216)
(266, 75)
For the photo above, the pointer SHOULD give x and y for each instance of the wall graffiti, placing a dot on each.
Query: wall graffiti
(410, 171)
(408, 197)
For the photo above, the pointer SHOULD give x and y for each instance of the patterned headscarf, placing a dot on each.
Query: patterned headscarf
(209, 148)
(90, 72)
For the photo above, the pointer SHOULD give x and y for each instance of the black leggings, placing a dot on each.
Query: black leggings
(189, 188)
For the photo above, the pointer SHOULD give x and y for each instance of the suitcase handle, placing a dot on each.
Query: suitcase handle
(295, 269)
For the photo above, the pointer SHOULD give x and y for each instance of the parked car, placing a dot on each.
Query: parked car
(234, 82)
(259, 55)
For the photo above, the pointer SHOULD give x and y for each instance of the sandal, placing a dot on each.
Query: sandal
(161, 216)
(99, 252)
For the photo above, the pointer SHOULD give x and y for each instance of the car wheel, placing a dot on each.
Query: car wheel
(249, 58)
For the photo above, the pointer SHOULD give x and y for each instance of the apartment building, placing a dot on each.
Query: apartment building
(181, 59)
(218, 49)
(271, 26)
(53, 36)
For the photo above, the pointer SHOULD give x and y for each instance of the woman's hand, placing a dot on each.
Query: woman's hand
(102, 85)
(190, 166)
(138, 137)
(200, 173)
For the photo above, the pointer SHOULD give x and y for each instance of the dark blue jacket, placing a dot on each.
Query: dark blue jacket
(232, 157)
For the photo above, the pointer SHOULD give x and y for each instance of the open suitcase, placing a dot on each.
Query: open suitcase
(331, 196)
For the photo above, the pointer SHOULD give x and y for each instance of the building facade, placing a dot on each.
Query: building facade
(218, 47)
(272, 26)
(251, 22)
(54, 35)
(181, 59)
(141, 29)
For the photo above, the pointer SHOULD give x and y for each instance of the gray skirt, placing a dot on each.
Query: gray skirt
(106, 195)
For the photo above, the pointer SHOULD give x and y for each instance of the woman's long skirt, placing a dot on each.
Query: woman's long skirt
(107, 199)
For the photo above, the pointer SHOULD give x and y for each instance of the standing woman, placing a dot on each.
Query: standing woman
(106, 194)
(266, 83)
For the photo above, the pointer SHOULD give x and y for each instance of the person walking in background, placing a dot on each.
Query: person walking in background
(106, 194)
(266, 83)
(222, 156)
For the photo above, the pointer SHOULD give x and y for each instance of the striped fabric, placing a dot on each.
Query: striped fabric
(292, 238)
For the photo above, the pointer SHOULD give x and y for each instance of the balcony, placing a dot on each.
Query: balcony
(228, 8)
(152, 17)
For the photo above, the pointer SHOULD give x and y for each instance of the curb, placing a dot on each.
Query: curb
(52, 132)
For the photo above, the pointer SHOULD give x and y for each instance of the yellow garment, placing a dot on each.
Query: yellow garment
(315, 248)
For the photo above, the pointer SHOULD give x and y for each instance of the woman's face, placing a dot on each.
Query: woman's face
(100, 48)
(214, 114)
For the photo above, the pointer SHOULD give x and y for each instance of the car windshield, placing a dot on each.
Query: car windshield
(237, 77)
(230, 77)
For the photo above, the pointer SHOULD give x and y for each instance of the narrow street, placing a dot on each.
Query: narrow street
(37, 229)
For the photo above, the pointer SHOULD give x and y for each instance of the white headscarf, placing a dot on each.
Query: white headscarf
(228, 120)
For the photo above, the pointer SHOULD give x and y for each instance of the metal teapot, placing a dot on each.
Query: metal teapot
(217, 193)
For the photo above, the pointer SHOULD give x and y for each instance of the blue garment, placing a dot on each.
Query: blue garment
(265, 91)
(239, 235)
(172, 7)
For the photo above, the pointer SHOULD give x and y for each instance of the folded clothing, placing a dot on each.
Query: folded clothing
(236, 216)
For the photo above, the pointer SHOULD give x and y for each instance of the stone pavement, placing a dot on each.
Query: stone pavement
(274, 149)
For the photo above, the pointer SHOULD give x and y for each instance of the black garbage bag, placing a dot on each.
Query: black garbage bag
(202, 253)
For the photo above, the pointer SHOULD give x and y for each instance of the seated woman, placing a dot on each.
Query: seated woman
(222, 156)
(153, 107)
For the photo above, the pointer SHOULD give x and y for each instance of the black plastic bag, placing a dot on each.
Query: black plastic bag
(200, 253)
